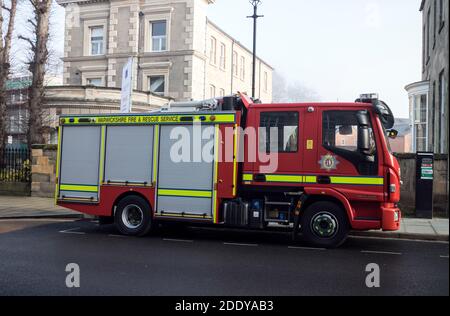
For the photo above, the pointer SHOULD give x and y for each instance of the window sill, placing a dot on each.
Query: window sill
(99, 56)
(157, 51)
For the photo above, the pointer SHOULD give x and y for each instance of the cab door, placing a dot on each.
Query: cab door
(278, 142)
(348, 158)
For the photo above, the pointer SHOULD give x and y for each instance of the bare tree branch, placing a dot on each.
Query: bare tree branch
(38, 68)
(29, 41)
(5, 49)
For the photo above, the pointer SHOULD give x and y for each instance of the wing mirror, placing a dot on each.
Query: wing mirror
(392, 134)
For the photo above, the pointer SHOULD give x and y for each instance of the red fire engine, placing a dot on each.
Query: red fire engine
(318, 169)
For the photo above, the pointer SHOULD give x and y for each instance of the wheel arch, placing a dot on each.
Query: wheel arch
(318, 195)
(127, 194)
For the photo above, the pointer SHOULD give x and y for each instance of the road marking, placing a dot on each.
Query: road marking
(34, 220)
(382, 252)
(239, 244)
(400, 239)
(444, 257)
(177, 240)
(306, 248)
(71, 231)
(115, 235)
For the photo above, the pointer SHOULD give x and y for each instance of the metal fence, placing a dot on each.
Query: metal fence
(15, 165)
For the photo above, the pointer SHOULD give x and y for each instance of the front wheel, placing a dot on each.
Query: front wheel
(324, 224)
(133, 216)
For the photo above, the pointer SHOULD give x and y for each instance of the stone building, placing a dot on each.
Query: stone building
(429, 102)
(65, 100)
(177, 51)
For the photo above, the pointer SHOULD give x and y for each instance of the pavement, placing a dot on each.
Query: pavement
(32, 207)
(193, 261)
(36, 207)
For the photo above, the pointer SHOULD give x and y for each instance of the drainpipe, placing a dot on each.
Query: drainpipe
(139, 51)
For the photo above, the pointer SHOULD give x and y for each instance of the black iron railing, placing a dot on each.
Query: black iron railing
(15, 165)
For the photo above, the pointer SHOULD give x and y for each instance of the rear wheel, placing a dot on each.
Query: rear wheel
(133, 216)
(324, 224)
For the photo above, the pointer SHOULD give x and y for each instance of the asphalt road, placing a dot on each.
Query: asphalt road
(199, 261)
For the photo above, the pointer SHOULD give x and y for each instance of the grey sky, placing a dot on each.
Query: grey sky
(337, 48)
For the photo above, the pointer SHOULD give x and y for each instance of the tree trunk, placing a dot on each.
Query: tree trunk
(5, 49)
(37, 68)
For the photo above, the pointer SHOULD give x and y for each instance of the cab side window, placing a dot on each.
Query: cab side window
(340, 135)
(340, 130)
(278, 132)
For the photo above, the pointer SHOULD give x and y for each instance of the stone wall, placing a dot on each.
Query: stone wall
(440, 184)
(43, 170)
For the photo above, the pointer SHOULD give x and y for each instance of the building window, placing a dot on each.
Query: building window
(435, 22)
(97, 40)
(159, 35)
(223, 53)
(424, 46)
(278, 132)
(212, 51)
(235, 64)
(428, 34)
(442, 128)
(266, 86)
(156, 84)
(242, 68)
(94, 82)
(421, 123)
(212, 91)
(222, 93)
(433, 113)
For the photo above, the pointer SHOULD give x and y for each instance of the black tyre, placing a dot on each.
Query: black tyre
(324, 224)
(133, 216)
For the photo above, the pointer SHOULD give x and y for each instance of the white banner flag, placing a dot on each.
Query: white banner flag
(127, 86)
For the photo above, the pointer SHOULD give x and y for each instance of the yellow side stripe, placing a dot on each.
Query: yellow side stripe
(351, 180)
(78, 188)
(313, 179)
(147, 119)
(155, 152)
(281, 178)
(310, 179)
(185, 193)
(58, 159)
(102, 154)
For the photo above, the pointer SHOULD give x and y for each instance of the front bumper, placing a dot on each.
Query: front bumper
(391, 217)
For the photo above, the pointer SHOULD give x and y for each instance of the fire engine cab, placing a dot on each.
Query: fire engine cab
(317, 169)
